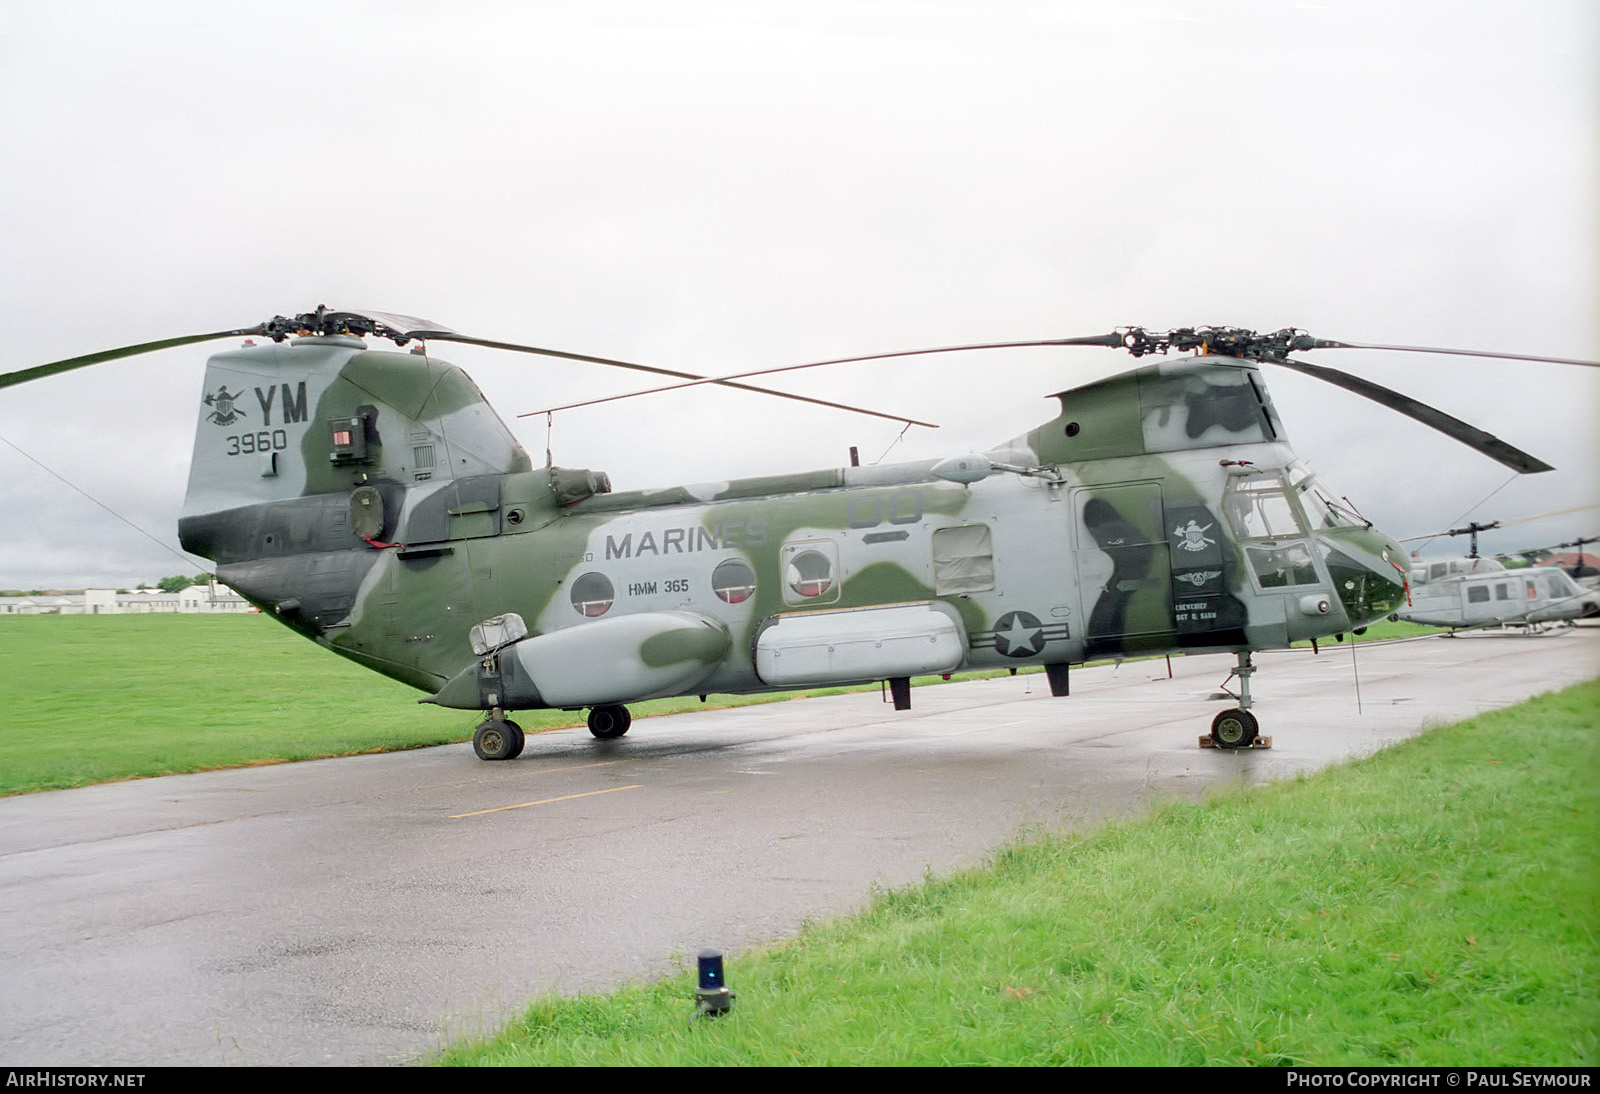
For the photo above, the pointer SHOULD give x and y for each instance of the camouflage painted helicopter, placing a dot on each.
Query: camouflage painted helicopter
(375, 503)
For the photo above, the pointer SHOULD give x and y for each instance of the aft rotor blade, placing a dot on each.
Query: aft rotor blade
(515, 348)
(411, 325)
(1469, 435)
(22, 376)
(1112, 340)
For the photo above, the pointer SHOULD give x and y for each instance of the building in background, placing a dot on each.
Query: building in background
(195, 600)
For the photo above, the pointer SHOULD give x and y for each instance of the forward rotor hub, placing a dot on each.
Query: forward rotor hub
(1229, 341)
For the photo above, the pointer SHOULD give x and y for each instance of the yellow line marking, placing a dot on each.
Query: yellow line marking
(546, 801)
(985, 728)
(572, 767)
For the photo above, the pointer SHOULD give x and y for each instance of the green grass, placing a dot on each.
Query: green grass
(1434, 905)
(87, 699)
(1381, 631)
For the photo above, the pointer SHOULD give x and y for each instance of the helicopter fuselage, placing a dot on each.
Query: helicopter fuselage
(1480, 592)
(375, 503)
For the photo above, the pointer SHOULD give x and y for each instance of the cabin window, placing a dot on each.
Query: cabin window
(1502, 591)
(1438, 570)
(1477, 594)
(810, 574)
(810, 571)
(733, 581)
(963, 560)
(593, 595)
(1258, 508)
(1556, 591)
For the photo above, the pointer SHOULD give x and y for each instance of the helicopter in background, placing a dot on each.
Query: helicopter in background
(1474, 592)
(375, 503)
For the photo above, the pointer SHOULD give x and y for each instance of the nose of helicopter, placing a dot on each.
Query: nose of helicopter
(1368, 569)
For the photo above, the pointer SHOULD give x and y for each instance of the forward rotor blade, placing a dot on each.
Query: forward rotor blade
(22, 376)
(1326, 344)
(1469, 435)
(1112, 340)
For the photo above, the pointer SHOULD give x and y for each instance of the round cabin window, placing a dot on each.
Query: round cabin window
(809, 574)
(592, 594)
(734, 581)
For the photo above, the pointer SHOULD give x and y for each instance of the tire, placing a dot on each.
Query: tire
(610, 721)
(496, 740)
(1234, 729)
(518, 739)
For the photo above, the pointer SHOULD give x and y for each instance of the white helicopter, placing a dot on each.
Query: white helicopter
(1474, 591)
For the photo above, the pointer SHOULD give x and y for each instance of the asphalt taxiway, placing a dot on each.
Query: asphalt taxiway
(365, 910)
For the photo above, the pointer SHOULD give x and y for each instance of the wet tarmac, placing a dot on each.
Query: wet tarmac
(366, 910)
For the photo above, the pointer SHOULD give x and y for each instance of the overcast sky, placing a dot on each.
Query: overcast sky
(713, 185)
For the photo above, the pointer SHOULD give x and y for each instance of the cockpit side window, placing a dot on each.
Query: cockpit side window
(1280, 567)
(1258, 507)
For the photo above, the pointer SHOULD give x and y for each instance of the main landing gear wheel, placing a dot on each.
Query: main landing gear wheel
(610, 721)
(498, 740)
(1234, 729)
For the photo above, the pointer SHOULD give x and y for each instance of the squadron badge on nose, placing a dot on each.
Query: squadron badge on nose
(1192, 537)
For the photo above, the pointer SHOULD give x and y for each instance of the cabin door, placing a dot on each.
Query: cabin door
(1124, 568)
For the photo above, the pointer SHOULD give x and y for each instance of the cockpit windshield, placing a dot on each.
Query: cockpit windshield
(1323, 508)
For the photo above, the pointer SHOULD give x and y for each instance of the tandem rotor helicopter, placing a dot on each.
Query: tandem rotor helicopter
(375, 503)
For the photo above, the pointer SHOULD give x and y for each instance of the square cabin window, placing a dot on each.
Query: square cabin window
(963, 560)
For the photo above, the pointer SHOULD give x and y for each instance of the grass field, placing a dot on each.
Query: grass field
(1434, 905)
(87, 699)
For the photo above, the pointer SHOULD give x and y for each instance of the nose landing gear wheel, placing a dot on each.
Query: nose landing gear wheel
(498, 740)
(610, 721)
(1234, 729)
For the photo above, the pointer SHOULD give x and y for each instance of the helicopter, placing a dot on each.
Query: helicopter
(375, 503)
(1471, 592)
